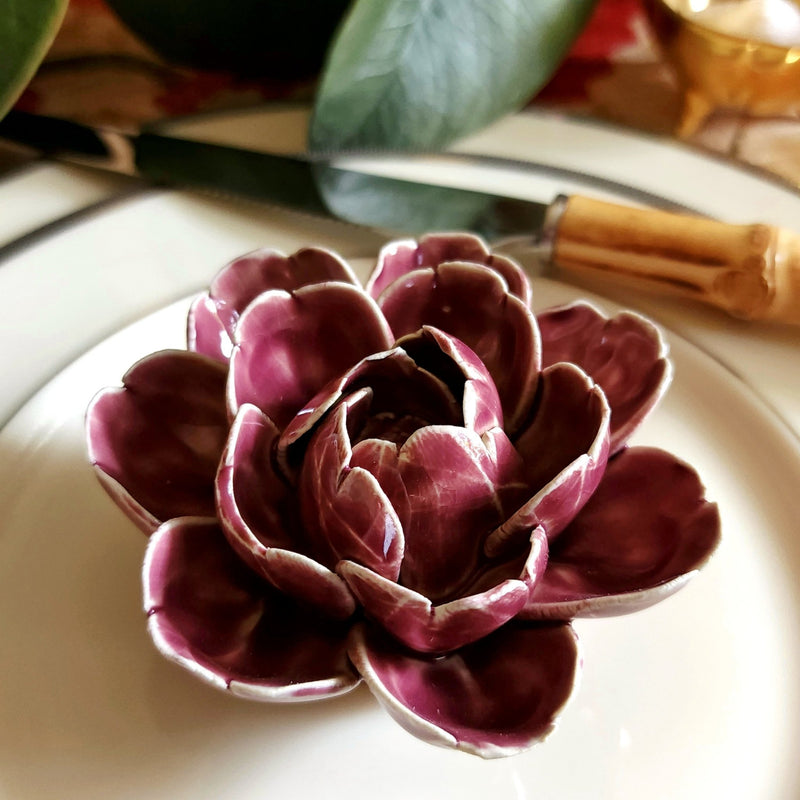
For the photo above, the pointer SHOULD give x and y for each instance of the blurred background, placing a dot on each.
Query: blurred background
(108, 64)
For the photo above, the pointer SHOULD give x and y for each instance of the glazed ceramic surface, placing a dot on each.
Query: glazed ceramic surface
(417, 483)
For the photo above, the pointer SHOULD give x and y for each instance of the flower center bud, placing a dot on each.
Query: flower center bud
(391, 427)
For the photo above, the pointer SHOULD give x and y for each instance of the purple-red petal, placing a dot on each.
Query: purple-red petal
(460, 368)
(259, 518)
(343, 505)
(626, 355)
(289, 345)
(565, 449)
(205, 332)
(494, 597)
(459, 485)
(208, 612)
(156, 441)
(427, 628)
(646, 530)
(214, 315)
(496, 697)
(397, 259)
(250, 493)
(473, 304)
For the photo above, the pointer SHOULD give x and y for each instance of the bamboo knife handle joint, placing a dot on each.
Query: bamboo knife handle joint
(750, 271)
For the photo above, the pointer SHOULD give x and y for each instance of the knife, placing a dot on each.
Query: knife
(750, 271)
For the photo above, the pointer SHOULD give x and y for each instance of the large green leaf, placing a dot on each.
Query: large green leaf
(27, 28)
(416, 74)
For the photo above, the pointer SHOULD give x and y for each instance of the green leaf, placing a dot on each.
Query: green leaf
(27, 27)
(417, 74)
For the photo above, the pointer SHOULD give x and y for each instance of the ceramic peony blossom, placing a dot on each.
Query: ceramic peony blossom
(418, 484)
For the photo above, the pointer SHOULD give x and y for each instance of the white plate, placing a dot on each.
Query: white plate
(695, 698)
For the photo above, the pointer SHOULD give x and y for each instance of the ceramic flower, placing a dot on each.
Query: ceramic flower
(417, 483)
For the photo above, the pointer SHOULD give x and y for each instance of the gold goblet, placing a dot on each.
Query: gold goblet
(741, 55)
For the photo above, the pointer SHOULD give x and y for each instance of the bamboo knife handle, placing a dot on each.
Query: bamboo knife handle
(750, 271)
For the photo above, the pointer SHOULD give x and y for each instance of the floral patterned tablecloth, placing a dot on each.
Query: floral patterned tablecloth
(98, 71)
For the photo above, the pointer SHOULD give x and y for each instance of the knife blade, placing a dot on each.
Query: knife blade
(750, 271)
